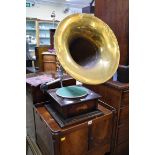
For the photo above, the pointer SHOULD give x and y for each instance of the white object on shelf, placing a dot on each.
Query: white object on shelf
(31, 50)
(34, 57)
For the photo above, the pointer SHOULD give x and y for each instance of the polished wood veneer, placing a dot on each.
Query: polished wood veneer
(116, 14)
(50, 62)
(39, 60)
(116, 94)
(86, 138)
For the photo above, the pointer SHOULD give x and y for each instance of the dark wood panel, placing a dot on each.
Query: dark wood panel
(123, 133)
(124, 115)
(100, 150)
(116, 14)
(123, 149)
(52, 32)
(116, 94)
(125, 98)
(110, 96)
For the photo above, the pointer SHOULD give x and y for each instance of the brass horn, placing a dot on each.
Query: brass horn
(87, 48)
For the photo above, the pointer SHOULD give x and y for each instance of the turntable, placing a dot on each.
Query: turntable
(72, 104)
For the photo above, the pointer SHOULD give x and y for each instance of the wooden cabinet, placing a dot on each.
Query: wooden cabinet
(116, 14)
(50, 63)
(116, 94)
(39, 59)
(79, 139)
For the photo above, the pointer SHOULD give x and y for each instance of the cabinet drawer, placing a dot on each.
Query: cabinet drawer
(125, 98)
(124, 115)
(123, 133)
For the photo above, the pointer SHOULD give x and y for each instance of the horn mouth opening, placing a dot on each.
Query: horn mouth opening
(83, 51)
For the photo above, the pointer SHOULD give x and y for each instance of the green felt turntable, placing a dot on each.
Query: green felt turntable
(72, 92)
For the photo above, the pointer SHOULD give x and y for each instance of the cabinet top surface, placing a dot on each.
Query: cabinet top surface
(55, 128)
(117, 85)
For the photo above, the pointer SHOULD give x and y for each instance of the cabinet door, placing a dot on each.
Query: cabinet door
(75, 143)
(101, 131)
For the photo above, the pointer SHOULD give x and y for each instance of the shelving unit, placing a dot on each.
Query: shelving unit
(44, 31)
(38, 33)
(31, 32)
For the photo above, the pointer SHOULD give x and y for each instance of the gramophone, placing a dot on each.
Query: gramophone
(87, 50)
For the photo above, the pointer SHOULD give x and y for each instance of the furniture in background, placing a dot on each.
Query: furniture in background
(38, 53)
(45, 60)
(123, 74)
(116, 15)
(31, 34)
(50, 62)
(38, 35)
(33, 89)
(116, 94)
(39, 30)
(52, 32)
(44, 31)
(31, 70)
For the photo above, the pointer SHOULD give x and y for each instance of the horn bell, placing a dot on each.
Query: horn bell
(87, 48)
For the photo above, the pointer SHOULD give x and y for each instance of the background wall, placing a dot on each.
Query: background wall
(43, 11)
